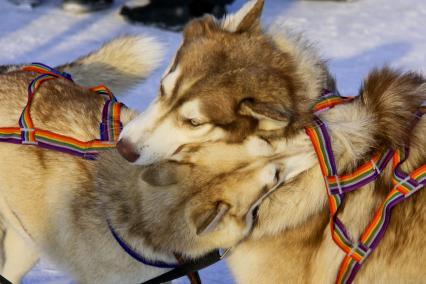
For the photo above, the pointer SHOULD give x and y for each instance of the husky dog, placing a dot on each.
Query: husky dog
(48, 200)
(236, 92)
(63, 207)
(227, 81)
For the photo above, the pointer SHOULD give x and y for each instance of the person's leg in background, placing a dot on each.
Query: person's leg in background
(171, 15)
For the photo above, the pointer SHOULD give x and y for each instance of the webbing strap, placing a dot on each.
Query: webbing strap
(27, 133)
(44, 69)
(404, 186)
(25, 122)
(337, 186)
(328, 100)
(111, 125)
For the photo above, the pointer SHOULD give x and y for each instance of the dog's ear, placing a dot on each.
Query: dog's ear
(271, 116)
(247, 19)
(200, 27)
(165, 173)
(208, 219)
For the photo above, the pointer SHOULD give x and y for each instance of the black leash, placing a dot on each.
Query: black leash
(188, 267)
(4, 280)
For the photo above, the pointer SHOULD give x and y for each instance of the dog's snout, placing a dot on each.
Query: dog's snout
(127, 150)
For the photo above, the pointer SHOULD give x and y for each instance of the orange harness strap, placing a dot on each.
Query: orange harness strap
(27, 133)
(337, 186)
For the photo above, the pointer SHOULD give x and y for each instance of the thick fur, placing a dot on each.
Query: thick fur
(40, 210)
(231, 73)
(231, 80)
(120, 71)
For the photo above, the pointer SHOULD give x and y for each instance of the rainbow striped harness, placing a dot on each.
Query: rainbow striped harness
(404, 185)
(28, 134)
(109, 128)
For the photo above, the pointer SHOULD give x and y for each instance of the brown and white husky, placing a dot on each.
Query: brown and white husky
(57, 206)
(237, 93)
(48, 201)
(63, 207)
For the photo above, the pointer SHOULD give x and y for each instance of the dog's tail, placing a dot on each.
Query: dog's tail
(394, 98)
(120, 64)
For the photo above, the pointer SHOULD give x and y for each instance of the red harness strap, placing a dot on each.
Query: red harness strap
(337, 186)
(27, 133)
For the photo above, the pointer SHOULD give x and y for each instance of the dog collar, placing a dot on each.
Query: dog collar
(180, 269)
(135, 255)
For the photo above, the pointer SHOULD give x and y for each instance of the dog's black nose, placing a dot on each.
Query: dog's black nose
(127, 150)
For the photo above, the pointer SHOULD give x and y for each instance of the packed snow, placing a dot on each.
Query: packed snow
(354, 36)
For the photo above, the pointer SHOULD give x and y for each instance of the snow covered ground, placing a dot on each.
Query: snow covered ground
(354, 36)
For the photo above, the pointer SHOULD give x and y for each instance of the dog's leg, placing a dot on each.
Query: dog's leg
(19, 256)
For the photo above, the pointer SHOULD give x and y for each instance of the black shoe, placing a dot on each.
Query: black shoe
(83, 6)
(169, 17)
(172, 15)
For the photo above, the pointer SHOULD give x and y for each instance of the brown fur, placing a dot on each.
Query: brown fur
(49, 202)
(160, 210)
(181, 186)
(233, 71)
(59, 205)
(248, 75)
(246, 70)
(51, 103)
(395, 98)
(293, 245)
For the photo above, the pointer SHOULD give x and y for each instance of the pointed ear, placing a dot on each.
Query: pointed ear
(165, 173)
(200, 27)
(271, 116)
(207, 221)
(246, 19)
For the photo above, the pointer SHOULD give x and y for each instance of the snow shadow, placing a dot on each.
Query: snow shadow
(15, 18)
(350, 71)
